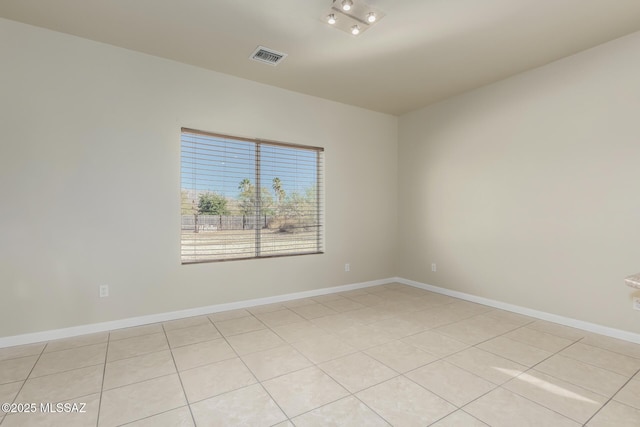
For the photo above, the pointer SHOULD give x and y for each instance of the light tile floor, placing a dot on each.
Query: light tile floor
(386, 355)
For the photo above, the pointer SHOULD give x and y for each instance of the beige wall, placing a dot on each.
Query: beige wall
(527, 191)
(90, 140)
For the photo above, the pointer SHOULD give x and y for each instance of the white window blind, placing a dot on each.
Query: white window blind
(244, 198)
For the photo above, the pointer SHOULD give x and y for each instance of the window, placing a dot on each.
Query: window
(243, 198)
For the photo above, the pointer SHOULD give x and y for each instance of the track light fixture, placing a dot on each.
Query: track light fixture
(352, 16)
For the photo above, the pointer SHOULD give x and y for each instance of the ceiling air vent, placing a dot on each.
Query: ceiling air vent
(268, 56)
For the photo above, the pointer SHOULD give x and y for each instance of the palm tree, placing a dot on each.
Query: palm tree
(246, 200)
(277, 188)
(245, 185)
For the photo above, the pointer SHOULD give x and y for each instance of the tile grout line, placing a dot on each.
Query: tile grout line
(463, 411)
(75, 347)
(353, 394)
(573, 341)
(151, 416)
(530, 369)
(173, 359)
(607, 349)
(146, 353)
(237, 355)
(403, 374)
(371, 409)
(399, 374)
(611, 398)
(350, 393)
(24, 382)
(104, 373)
(599, 348)
(575, 360)
(249, 369)
(497, 386)
(65, 371)
(313, 364)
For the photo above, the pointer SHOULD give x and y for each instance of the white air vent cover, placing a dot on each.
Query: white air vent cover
(268, 56)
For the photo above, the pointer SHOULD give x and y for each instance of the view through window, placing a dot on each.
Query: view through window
(244, 198)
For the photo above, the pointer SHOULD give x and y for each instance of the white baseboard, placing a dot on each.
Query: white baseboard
(163, 317)
(567, 321)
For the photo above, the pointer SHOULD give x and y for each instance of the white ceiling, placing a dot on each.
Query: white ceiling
(421, 52)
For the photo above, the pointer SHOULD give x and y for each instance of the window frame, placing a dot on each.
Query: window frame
(258, 144)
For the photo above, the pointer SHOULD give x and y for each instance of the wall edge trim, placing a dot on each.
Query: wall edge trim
(542, 315)
(55, 334)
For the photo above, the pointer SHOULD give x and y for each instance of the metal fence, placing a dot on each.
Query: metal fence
(224, 222)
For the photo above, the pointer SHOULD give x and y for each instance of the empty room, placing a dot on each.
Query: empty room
(320, 213)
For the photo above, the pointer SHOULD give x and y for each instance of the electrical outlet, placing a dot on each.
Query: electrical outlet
(636, 303)
(433, 266)
(347, 267)
(104, 291)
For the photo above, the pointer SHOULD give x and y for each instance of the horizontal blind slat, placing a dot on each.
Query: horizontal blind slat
(288, 220)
